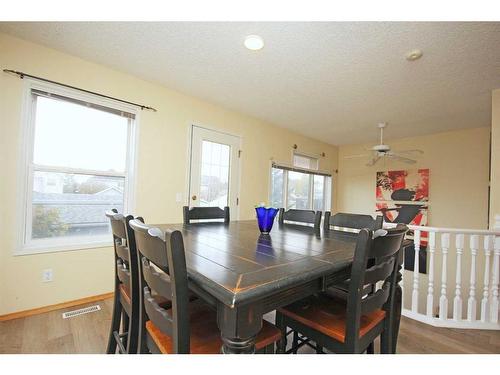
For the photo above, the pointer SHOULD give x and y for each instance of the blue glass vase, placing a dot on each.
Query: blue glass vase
(265, 217)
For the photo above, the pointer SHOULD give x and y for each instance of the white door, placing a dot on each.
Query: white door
(214, 175)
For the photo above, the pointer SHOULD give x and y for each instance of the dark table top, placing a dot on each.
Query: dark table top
(236, 264)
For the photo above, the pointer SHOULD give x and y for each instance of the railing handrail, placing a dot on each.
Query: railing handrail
(454, 243)
(482, 232)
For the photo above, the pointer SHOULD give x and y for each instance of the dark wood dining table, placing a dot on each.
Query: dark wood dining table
(245, 274)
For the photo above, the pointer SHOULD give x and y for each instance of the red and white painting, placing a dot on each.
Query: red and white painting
(405, 185)
(402, 196)
(417, 213)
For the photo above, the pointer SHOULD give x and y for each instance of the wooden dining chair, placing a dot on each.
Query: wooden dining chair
(205, 213)
(124, 332)
(349, 221)
(352, 221)
(351, 325)
(300, 216)
(185, 327)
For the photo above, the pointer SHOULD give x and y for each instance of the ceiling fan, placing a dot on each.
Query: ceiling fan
(384, 151)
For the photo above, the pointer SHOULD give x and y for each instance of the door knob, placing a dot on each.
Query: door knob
(193, 197)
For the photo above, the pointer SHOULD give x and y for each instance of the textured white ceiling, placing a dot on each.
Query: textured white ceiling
(331, 81)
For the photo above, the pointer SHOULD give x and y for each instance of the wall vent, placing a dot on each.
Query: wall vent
(85, 310)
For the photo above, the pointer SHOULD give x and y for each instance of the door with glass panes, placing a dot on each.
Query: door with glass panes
(214, 173)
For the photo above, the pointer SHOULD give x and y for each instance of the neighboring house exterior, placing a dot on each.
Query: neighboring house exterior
(81, 214)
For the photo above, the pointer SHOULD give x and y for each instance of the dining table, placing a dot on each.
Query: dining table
(244, 274)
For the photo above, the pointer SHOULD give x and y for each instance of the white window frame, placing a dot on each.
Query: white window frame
(26, 170)
(327, 185)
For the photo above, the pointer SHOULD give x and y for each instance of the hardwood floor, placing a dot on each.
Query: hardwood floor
(50, 333)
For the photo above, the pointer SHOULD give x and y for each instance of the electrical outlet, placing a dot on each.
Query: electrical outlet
(47, 275)
(178, 197)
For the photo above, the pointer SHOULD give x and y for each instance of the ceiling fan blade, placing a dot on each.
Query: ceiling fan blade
(372, 162)
(356, 156)
(400, 158)
(415, 151)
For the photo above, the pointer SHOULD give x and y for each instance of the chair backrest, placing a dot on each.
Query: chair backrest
(163, 272)
(300, 216)
(352, 221)
(126, 266)
(375, 260)
(205, 213)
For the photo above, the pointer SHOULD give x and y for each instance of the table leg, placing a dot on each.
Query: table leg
(238, 346)
(239, 327)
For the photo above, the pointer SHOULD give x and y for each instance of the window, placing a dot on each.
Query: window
(79, 154)
(304, 161)
(301, 186)
(214, 187)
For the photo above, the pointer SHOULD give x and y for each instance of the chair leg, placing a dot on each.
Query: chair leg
(115, 324)
(386, 342)
(125, 321)
(280, 323)
(319, 349)
(295, 342)
(133, 336)
(370, 349)
(397, 319)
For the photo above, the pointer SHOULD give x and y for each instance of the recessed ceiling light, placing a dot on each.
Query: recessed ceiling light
(414, 55)
(254, 42)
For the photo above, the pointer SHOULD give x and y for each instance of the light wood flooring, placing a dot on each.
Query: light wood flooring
(50, 333)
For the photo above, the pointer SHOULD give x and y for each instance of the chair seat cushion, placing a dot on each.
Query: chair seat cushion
(328, 316)
(205, 335)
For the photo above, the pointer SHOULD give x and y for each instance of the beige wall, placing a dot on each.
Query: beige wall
(162, 162)
(495, 157)
(458, 183)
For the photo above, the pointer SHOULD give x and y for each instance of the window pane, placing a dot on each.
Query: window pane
(298, 190)
(277, 188)
(66, 205)
(328, 193)
(214, 189)
(71, 135)
(302, 161)
(318, 193)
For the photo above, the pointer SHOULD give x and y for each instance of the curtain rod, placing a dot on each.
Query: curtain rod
(22, 75)
(300, 170)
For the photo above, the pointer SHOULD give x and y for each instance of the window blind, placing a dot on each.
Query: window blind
(83, 103)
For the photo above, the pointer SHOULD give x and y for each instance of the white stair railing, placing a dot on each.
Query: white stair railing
(460, 255)
(471, 302)
(485, 303)
(430, 287)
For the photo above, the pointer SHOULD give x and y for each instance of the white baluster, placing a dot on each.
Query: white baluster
(457, 301)
(494, 284)
(414, 296)
(486, 289)
(430, 288)
(471, 302)
(443, 300)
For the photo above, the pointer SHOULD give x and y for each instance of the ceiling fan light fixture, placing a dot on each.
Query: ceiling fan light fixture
(383, 151)
(381, 148)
